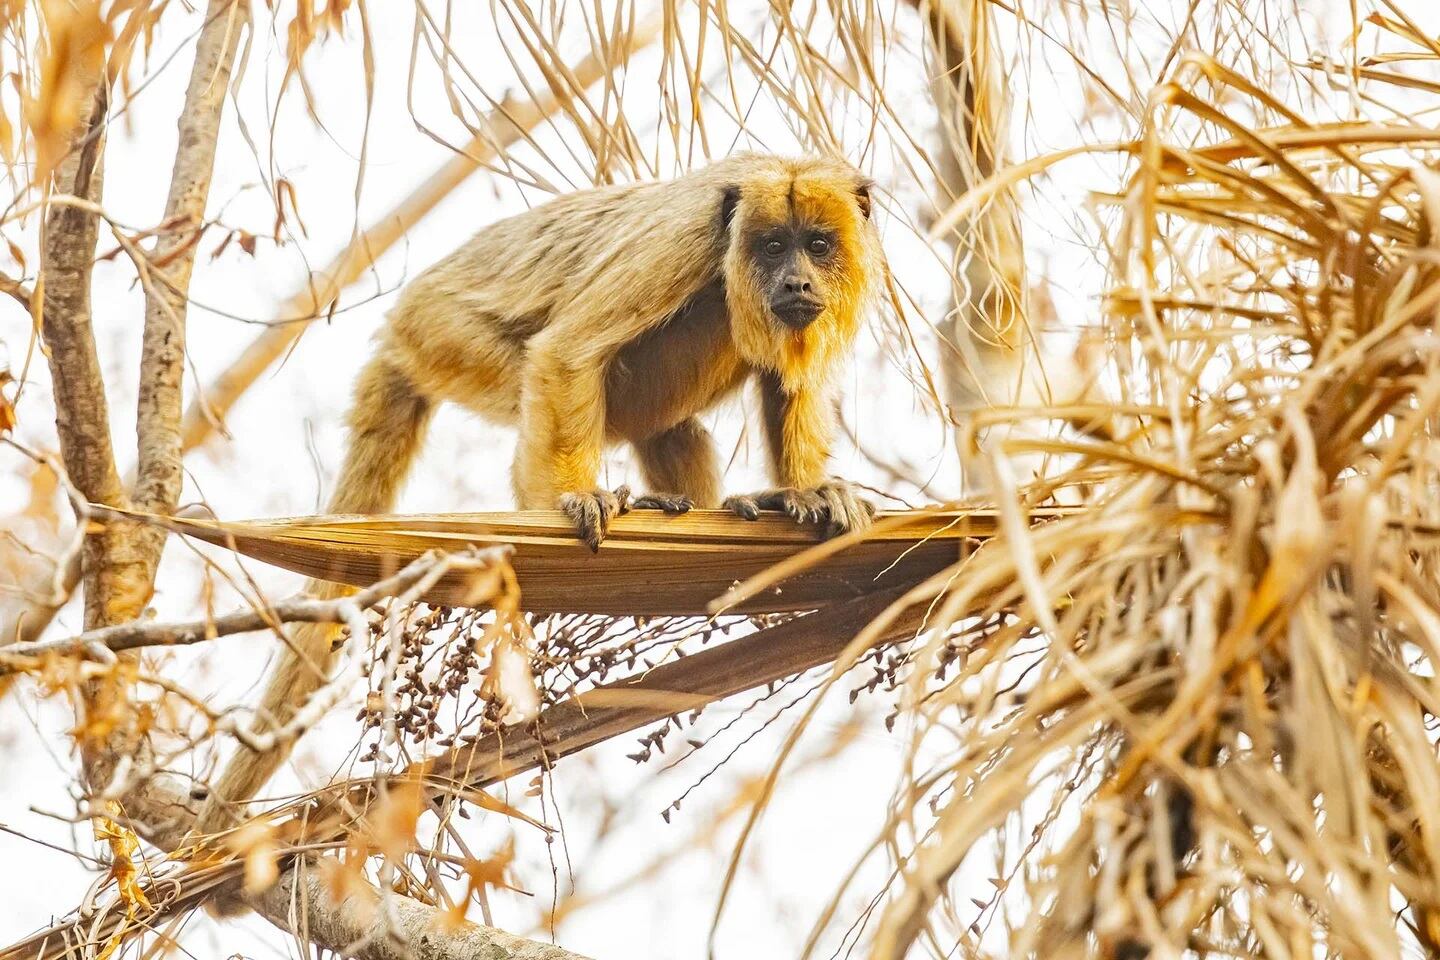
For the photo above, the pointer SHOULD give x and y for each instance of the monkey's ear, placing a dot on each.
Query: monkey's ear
(862, 196)
(730, 198)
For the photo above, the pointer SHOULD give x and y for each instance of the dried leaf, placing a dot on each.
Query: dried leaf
(255, 844)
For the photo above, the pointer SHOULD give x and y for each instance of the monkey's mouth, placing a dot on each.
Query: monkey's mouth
(797, 313)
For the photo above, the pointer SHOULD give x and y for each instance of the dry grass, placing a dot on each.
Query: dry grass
(1193, 716)
(1215, 738)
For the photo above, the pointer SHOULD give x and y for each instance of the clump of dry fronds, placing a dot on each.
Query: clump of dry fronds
(1199, 717)
(1195, 716)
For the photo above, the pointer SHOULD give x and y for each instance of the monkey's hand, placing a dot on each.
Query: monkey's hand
(833, 504)
(591, 512)
(669, 502)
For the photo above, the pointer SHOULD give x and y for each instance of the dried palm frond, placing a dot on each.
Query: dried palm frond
(649, 565)
(1215, 738)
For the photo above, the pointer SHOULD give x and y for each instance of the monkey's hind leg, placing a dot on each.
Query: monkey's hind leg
(387, 427)
(681, 469)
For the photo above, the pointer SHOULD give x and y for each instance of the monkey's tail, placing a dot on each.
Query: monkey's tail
(388, 418)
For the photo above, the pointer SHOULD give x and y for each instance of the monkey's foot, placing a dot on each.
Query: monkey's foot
(591, 512)
(833, 504)
(669, 502)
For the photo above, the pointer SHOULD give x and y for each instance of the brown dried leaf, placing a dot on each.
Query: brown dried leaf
(390, 825)
(7, 406)
(284, 194)
(76, 35)
(254, 843)
(492, 872)
(123, 844)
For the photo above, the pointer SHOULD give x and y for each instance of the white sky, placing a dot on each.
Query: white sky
(286, 446)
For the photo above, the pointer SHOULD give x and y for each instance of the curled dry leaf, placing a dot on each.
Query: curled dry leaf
(123, 845)
(255, 844)
(77, 34)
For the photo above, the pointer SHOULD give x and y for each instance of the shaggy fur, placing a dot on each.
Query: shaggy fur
(617, 314)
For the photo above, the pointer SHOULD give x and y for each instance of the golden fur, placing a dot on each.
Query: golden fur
(608, 315)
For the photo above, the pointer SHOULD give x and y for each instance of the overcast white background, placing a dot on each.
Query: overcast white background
(286, 440)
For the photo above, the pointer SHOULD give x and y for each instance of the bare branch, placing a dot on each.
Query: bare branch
(82, 417)
(132, 551)
(136, 634)
(162, 360)
(365, 926)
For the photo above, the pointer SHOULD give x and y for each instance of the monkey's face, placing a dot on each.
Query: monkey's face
(800, 263)
(791, 261)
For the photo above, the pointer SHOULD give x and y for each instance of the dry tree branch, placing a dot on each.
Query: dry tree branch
(136, 634)
(162, 362)
(362, 924)
(17, 291)
(366, 925)
(120, 560)
(122, 583)
(568, 727)
(82, 418)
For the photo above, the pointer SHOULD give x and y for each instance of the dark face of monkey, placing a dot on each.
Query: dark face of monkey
(790, 261)
(800, 265)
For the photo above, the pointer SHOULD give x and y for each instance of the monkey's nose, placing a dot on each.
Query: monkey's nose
(796, 285)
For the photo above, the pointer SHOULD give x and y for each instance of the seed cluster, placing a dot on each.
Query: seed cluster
(445, 655)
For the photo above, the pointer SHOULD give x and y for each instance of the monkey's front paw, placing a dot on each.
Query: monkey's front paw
(591, 512)
(833, 504)
(669, 502)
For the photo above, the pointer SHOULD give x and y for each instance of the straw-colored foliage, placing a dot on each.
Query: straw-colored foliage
(1198, 715)
(1173, 696)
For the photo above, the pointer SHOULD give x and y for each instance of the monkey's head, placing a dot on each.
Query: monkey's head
(802, 261)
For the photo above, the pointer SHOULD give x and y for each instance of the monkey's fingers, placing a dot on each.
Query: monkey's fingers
(669, 502)
(622, 499)
(744, 507)
(845, 511)
(832, 504)
(803, 506)
(591, 513)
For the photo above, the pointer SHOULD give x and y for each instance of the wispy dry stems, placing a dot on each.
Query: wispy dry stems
(1193, 713)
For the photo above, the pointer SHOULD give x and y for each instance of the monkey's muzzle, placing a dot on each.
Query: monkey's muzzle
(797, 313)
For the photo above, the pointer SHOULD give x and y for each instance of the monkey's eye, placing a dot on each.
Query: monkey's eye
(774, 248)
(819, 246)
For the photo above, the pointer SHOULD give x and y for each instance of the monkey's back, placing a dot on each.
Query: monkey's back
(460, 328)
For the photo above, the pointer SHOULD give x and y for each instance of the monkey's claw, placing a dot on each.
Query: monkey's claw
(592, 512)
(833, 504)
(669, 502)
